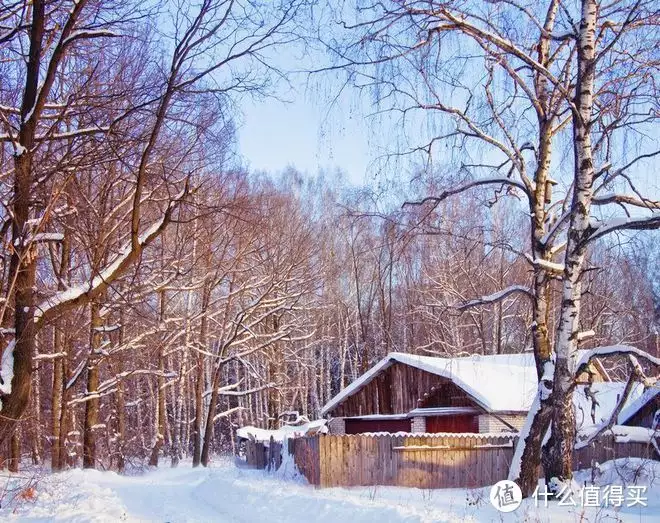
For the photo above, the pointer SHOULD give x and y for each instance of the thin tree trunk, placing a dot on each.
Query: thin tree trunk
(56, 397)
(159, 438)
(121, 404)
(63, 425)
(208, 430)
(92, 405)
(200, 381)
(35, 444)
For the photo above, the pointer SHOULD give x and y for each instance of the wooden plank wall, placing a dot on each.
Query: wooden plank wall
(398, 389)
(425, 461)
(606, 449)
(306, 456)
(442, 461)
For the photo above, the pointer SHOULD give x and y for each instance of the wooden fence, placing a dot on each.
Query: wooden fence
(606, 449)
(425, 461)
(264, 455)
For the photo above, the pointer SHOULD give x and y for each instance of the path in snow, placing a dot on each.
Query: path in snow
(225, 493)
(222, 493)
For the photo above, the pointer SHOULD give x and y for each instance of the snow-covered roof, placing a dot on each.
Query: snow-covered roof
(497, 383)
(279, 435)
(607, 396)
(632, 407)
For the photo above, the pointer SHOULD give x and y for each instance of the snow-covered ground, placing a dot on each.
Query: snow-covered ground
(226, 493)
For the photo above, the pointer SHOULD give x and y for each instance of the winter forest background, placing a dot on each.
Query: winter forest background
(165, 294)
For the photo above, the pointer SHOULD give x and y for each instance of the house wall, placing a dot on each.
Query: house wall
(457, 423)
(489, 423)
(399, 389)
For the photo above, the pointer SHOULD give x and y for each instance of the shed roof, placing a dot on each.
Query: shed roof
(497, 383)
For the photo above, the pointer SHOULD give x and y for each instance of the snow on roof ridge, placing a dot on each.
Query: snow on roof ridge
(629, 410)
(477, 376)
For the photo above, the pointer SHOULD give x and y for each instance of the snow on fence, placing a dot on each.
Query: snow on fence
(428, 461)
(422, 461)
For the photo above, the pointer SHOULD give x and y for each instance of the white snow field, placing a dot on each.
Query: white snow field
(226, 493)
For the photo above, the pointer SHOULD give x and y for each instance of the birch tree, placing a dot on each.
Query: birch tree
(421, 56)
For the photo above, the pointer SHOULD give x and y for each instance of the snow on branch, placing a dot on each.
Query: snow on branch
(627, 200)
(246, 392)
(469, 185)
(630, 434)
(88, 33)
(91, 396)
(550, 266)
(227, 413)
(601, 229)
(613, 350)
(82, 293)
(110, 386)
(54, 136)
(498, 296)
(47, 237)
(47, 357)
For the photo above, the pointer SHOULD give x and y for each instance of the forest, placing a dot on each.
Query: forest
(157, 293)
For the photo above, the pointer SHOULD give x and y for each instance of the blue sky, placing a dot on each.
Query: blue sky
(302, 131)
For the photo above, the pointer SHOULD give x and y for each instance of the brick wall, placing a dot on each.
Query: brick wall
(418, 425)
(337, 426)
(489, 423)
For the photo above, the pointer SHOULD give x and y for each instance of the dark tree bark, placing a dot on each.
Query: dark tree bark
(92, 405)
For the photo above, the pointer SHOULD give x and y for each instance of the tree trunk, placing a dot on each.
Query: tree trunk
(56, 398)
(208, 431)
(36, 433)
(199, 411)
(528, 456)
(199, 380)
(15, 451)
(121, 404)
(559, 459)
(64, 420)
(121, 428)
(22, 269)
(159, 438)
(92, 405)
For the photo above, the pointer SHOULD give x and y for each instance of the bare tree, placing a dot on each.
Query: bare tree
(218, 48)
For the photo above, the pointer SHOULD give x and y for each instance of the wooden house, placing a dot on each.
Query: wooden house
(475, 394)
